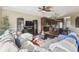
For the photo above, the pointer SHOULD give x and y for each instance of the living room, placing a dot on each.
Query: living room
(45, 21)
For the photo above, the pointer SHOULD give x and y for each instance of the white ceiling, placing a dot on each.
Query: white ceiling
(60, 10)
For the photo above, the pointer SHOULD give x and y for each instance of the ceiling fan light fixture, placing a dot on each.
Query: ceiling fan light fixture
(45, 8)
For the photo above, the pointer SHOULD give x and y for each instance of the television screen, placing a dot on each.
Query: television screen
(46, 29)
(28, 23)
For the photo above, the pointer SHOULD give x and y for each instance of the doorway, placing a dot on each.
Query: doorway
(20, 24)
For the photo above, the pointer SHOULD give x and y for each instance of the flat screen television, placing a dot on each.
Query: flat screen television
(46, 29)
(29, 23)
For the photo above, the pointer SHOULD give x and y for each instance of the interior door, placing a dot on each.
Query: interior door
(20, 24)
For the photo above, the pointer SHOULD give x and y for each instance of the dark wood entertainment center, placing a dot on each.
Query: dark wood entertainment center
(47, 23)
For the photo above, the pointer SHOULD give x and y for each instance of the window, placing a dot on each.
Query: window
(77, 22)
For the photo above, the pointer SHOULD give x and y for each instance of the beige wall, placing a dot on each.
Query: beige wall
(0, 17)
(14, 15)
(0, 13)
(73, 19)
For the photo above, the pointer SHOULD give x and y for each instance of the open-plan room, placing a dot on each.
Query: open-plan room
(39, 28)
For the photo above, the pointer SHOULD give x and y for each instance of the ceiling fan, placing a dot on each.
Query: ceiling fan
(45, 8)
